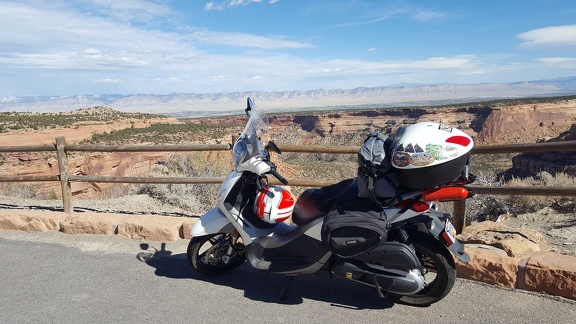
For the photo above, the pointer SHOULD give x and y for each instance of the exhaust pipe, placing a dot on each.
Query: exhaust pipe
(391, 280)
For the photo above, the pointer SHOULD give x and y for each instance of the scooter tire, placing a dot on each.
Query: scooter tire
(205, 254)
(438, 260)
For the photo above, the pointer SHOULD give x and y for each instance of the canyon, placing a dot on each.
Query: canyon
(488, 124)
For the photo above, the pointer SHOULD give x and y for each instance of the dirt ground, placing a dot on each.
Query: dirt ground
(558, 229)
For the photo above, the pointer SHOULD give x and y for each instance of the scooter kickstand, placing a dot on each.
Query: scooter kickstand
(377, 287)
(285, 290)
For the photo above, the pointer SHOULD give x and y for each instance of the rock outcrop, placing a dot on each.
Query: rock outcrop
(516, 258)
(515, 242)
(527, 123)
(551, 162)
(103, 164)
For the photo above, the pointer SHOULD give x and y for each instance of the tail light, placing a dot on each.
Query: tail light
(447, 239)
(417, 206)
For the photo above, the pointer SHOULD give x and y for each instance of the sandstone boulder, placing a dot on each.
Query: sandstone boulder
(489, 266)
(30, 220)
(186, 227)
(153, 228)
(91, 223)
(514, 241)
(552, 273)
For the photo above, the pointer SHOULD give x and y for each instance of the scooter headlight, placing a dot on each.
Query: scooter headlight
(239, 153)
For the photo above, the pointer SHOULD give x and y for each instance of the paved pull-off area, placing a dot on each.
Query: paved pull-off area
(52, 277)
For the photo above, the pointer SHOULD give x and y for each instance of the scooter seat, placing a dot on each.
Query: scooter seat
(306, 208)
(315, 203)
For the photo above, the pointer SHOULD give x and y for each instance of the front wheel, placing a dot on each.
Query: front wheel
(215, 253)
(439, 272)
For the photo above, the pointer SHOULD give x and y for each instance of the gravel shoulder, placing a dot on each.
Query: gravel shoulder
(133, 204)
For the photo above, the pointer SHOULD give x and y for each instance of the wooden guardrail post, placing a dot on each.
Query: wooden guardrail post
(64, 174)
(459, 216)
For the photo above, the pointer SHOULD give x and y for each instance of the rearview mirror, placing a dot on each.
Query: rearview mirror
(249, 106)
(271, 146)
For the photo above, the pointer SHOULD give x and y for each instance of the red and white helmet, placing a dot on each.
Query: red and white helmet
(274, 204)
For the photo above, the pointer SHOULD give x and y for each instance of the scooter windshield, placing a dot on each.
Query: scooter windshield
(250, 144)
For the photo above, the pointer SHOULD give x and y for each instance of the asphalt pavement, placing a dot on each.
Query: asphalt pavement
(53, 277)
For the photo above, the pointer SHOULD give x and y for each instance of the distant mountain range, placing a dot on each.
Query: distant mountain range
(190, 104)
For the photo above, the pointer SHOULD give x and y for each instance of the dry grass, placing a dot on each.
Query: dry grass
(523, 204)
(491, 207)
(197, 198)
(16, 189)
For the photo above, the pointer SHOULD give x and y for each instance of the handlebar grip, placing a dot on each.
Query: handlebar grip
(279, 177)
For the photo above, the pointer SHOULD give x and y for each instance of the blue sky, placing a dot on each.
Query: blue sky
(65, 47)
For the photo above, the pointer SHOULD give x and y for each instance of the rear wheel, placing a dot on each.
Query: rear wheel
(215, 253)
(439, 272)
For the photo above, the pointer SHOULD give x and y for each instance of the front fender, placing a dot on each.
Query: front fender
(211, 223)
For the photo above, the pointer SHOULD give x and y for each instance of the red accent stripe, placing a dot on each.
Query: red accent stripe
(460, 140)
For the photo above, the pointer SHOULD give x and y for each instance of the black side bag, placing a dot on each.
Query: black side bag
(354, 227)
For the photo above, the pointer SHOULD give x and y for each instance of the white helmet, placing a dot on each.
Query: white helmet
(274, 204)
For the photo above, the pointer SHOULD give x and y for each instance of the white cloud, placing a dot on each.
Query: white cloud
(69, 47)
(555, 37)
(556, 60)
(113, 81)
(429, 15)
(223, 5)
(235, 39)
(76, 46)
(563, 62)
(128, 10)
(377, 67)
(173, 79)
(58, 38)
(26, 28)
(393, 11)
(219, 78)
(360, 22)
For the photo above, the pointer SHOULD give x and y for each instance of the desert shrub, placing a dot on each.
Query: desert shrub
(53, 195)
(116, 190)
(486, 207)
(24, 120)
(198, 198)
(527, 204)
(21, 190)
(157, 133)
(490, 207)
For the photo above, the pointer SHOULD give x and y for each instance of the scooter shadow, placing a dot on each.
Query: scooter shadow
(262, 286)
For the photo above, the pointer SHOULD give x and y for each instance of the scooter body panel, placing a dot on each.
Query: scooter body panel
(290, 250)
(212, 222)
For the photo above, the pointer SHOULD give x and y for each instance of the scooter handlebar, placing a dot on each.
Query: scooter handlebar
(278, 176)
